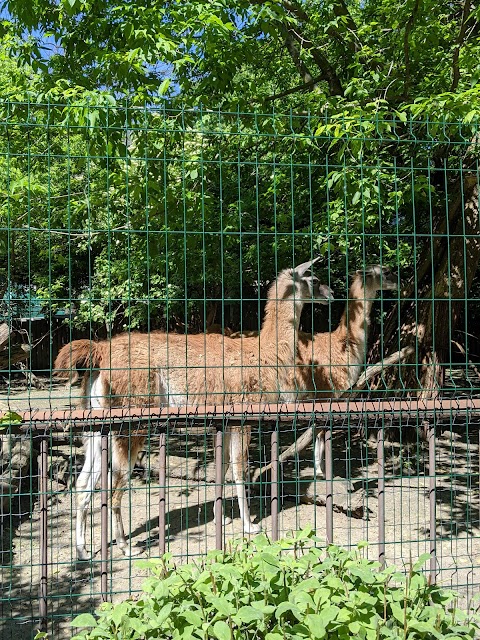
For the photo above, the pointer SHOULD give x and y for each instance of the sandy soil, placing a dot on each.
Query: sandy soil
(75, 587)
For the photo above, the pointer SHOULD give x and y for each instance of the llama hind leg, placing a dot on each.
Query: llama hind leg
(123, 456)
(85, 486)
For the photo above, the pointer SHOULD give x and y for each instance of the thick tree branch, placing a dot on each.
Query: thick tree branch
(297, 60)
(458, 45)
(301, 87)
(340, 10)
(328, 72)
(349, 40)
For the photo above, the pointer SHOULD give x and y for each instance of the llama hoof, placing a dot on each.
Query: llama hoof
(83, 555)
(131, 552)
(225, 520)
(253, 528)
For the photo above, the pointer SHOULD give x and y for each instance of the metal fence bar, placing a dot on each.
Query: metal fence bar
(218, 507)
(381, 495)
(430, 430)
(302, 412)
(43, 482)
(104, 517)
(329, 483)
(274, 485)
(162, 485)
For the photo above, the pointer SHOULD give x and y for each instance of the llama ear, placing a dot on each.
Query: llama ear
(302, 269)
(368, 270)
(373, 270)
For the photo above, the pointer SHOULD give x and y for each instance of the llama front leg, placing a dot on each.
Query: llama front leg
(123, 454)
(320, 454)
(85, 486)
(225, 465)
(239, 441)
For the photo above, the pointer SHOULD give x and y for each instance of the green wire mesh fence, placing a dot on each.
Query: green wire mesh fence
(295, 296)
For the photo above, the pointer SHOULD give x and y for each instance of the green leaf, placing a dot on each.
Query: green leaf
(354, 627)
(315, 624)
(10, 417)
(163, 88)
(222, 630)
(193, 617)
(247, 614)
(222, 605)
(398, 612)
(423, 559)
(285, 607)
(425, 627)
(356, 197)
(84, 620)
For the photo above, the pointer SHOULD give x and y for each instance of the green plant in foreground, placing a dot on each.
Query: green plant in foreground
(281, 591)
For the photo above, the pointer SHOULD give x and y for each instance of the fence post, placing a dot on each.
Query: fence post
(104, 517)
(430, 431)
(162, 482)
(43, 482)
(274, 484)
(218, 508)
(329, 483)
(381, 494)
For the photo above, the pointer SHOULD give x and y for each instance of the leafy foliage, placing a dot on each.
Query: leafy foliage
(280, 591)
(247, 52)
(175, 207)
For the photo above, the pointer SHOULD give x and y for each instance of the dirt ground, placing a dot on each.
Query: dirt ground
(74, 587)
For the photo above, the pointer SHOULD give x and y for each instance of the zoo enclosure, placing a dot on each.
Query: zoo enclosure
(128, 218)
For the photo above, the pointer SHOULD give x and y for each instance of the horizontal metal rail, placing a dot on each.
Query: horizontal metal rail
(302, 412)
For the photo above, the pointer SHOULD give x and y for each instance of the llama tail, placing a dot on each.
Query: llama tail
(79, 353)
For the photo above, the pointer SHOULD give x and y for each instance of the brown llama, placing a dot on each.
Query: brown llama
(175, 370)
(330, 363)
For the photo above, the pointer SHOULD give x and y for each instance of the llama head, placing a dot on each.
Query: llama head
(300, 285)
(378, 278)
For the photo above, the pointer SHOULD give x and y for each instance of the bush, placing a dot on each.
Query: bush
(281, 591)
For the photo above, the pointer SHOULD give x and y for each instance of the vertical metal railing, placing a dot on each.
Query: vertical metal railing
(43, 499)
(274, 484)
(329, 483)
(219, 475)
(381, 494)
(162, 490)
(104, 516)
(429, 430)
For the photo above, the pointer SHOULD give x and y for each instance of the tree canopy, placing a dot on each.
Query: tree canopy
(287, 53)
(166, 158)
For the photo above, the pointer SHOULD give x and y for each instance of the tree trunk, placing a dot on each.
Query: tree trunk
(10, 353)
(434, 298)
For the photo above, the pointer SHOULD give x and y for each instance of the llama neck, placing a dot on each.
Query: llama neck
(281, 322)
(355, 320)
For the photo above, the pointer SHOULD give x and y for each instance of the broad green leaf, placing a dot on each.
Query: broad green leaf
(247, 614)
(10, 417)
(84, 620)
(423, 559)
(222, 630)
